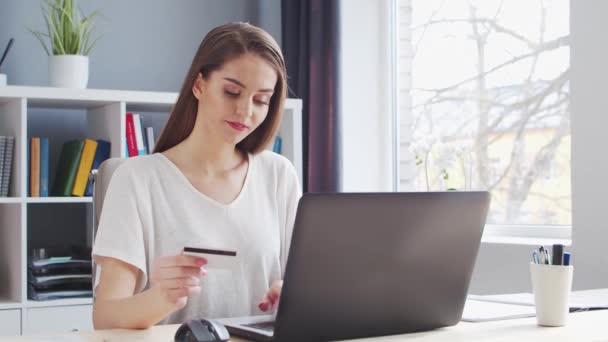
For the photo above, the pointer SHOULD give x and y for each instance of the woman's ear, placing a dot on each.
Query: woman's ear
(197, 88)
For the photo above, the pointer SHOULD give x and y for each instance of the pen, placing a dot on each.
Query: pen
(558, 253)
(535, 257)
(566, 259)
(544, 255)
(8, 47)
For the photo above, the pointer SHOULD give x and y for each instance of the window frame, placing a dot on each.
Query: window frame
(493, 233)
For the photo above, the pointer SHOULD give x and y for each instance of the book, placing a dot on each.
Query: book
(131, 140)
(2, 148)
(144, 135)
(278, 141)
(139, 137)
(67, 167)
(102, 153)
(151, 140)
(7, 166)
(84, 167)
(44, 167)
(34, 167)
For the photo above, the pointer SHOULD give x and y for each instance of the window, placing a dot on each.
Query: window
(484, 104)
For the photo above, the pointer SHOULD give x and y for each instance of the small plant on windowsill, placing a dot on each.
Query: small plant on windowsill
(439, 161)
(68, 32)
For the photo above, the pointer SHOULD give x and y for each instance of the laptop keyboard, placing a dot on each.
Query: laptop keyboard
(266, 326)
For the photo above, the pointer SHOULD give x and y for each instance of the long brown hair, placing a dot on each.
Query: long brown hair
(220, 45)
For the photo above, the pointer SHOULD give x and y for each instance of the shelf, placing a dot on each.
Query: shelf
(49, 97)
(59, 200)
(9, 304)
(10, 200)
(59, 302)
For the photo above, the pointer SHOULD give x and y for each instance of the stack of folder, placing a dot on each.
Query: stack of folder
(64, 275)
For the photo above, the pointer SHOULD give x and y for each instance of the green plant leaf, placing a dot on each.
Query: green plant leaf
(58, 48)
(73, 33)
(88, 50)
(88, 27)
(48, 30)
(64, 18)
(86, 34)
(68, 29)
(55, 32)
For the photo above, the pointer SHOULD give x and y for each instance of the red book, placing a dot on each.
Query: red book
(131, 142)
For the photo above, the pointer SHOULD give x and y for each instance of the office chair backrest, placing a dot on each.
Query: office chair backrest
(101, 180)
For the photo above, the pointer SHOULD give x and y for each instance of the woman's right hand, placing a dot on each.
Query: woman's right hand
(177, 277)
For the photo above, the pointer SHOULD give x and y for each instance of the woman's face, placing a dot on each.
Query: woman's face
(234, 100)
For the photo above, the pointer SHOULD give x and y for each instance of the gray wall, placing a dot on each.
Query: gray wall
(145, 44)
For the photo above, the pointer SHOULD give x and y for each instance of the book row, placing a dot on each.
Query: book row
(139, 141)
(77, 159)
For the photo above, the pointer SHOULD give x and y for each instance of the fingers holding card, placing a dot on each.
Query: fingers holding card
(216, 258)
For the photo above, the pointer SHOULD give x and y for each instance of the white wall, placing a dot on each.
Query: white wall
(589, 65)
(366, 113)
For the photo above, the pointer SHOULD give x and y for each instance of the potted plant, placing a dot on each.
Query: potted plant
(69, 36)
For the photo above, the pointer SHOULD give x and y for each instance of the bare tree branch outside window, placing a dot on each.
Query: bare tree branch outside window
(490, 104)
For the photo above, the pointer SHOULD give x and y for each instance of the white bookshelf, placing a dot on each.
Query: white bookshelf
(24, 220)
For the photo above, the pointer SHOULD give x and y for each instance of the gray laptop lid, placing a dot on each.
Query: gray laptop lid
(371, 264)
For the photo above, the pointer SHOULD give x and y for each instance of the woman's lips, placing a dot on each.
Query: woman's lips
(237, 126)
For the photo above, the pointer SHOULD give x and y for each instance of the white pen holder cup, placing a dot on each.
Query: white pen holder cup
(551, 285)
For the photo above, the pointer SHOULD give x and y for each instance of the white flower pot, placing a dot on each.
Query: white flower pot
(69, 71)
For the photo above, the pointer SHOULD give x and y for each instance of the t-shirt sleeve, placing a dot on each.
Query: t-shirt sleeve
(292, 191)
(120, 233)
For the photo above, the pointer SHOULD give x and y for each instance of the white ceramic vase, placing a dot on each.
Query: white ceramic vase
(69, 71)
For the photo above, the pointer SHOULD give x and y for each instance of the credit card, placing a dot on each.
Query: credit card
(216, 258)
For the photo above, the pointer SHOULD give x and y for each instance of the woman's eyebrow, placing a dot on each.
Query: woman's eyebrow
(266, 90)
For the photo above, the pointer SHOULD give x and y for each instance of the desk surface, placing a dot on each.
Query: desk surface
(582, 326)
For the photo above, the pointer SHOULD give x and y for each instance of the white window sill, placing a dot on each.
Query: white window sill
(527, 235)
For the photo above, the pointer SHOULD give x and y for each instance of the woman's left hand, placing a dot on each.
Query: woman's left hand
(271, 299)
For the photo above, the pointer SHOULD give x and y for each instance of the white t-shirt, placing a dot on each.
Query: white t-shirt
(151, 210)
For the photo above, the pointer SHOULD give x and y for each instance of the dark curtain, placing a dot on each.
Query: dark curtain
(311, 45)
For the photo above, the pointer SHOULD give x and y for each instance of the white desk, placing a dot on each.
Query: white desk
(583, 326)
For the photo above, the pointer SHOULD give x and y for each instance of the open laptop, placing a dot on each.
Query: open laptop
(372, 264)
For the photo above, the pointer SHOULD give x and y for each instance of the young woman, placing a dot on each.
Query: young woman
(209, 184)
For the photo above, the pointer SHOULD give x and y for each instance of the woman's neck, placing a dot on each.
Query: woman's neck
(206, 157)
